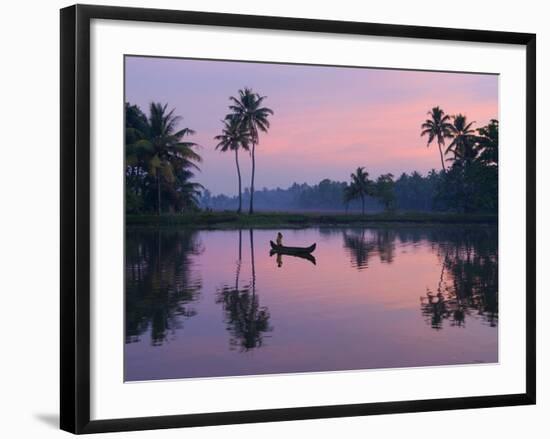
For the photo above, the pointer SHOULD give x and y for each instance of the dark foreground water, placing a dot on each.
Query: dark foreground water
(215, 303)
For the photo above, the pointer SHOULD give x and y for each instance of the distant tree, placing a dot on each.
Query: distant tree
(361, 186)
(437, 127)
(234, 137)
(384, 190)
(350, 194)
(254, 117)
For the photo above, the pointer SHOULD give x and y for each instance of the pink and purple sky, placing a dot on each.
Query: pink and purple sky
(327, 122)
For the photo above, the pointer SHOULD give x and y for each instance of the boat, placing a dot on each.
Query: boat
(292, 250)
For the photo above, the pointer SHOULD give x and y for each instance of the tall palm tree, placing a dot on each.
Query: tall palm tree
(247, 107)
(234, 136)
(463, 144)
(360, 186)
(437, 127)
(168, 154)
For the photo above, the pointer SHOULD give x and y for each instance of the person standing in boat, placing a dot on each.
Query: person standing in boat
(279, 239)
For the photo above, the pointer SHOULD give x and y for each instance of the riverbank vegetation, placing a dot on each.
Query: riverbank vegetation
(162, 163)
(228, 219)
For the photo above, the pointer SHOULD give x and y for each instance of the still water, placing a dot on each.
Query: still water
(205, 303)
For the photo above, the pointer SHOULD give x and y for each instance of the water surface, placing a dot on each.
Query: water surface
(203, 303)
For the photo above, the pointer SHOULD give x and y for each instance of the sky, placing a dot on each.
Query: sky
(327, 121)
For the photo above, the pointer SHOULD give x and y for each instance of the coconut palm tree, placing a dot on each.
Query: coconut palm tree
(463, 144)
(247, 107)
(234, 136)
(166, 153)
(487, 143)
(350, 194)
(437, 127)
(360, 186)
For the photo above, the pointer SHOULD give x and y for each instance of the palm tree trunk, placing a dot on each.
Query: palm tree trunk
(239, 176)
(158, 195)
(441, 156)
(363, 204)
(251, 209)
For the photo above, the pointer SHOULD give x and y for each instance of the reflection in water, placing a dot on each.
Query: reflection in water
(363, 243)
(364, 285)
(160, 282)
(246, 320)
(468, 282)
(279, 257)
(468, 279)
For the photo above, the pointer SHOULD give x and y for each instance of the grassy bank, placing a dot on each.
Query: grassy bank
(296, 220)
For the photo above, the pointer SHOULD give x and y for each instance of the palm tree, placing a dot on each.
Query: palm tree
(254, 117)
(487, 143)
(438, 127)
(234, 136)
(360, 186)
(167, 154)
(187, 194)
(350, 194)
(463, 144)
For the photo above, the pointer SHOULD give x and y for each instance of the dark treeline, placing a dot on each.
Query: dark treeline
(161, 163)
(412, 192)
(468, 185)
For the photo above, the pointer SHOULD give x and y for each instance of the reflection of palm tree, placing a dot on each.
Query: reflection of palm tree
(252, 261)
(469, 278)
(238, 271)
(160, 282)
(435, 307)
(246, 320)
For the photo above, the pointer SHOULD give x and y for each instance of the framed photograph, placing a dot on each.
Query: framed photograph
(268, 218)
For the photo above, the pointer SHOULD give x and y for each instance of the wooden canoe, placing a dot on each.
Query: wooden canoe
(292, 250)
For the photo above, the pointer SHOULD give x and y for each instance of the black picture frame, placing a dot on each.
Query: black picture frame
(75, 217)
